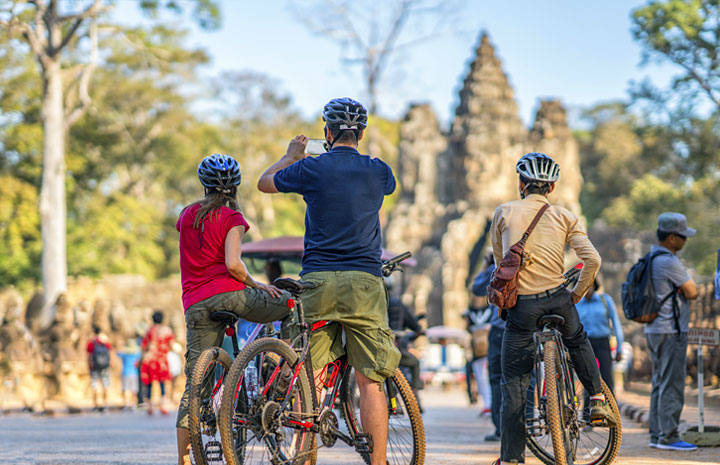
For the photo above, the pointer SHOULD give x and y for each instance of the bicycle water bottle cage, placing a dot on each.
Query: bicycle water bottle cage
(225, 317)
(550, 322)
(294, 287)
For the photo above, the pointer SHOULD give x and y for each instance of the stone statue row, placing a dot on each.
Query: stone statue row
(41, 363)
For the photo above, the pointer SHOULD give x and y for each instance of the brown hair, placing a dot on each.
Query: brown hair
(211, 204)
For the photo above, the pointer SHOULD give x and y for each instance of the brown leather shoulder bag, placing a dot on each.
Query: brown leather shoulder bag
(502, 291)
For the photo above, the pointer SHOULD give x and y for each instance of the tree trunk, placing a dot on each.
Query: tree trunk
(52, 194)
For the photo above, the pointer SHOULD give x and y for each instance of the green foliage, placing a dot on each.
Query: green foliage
(132, 158)
(205, 12)
(648, 197)
(115, 234)
(20, 242)
(687, 33)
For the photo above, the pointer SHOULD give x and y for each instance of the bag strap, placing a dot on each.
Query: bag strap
(607, 309)
(534, 222)
(672, 294)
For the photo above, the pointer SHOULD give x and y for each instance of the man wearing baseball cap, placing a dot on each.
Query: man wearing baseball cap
(667, 335)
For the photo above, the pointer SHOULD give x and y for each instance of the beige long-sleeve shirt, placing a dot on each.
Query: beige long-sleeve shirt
(542, 267)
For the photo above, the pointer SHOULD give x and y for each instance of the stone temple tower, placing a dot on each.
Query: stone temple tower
(452, 182)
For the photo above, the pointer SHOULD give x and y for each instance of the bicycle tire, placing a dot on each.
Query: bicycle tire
(407, 414)
(202, 418)
(607, 440)
(552, 394)
(236, 436)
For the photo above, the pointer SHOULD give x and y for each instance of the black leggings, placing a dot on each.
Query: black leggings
(601, 347)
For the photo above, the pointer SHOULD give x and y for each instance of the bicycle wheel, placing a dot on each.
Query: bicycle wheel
(590, 445)
(406, 433)
(254, 426)
(553, 394)
(204, 399)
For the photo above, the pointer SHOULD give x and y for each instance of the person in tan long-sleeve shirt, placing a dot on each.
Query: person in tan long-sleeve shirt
(545, 248)
(541, 291)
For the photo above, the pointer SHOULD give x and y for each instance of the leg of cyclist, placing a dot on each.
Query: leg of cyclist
(582, 355)
(373, 414)
(517, 358)
(202, 333)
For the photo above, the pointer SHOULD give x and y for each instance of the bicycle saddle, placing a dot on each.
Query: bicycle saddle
(224, 316)
(292, 286)
(553, 321)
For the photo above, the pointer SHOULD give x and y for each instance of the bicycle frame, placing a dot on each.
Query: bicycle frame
(339, 369)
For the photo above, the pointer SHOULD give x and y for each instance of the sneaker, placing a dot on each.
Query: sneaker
(652, 444)
(600, 411)
(677, 445)
(492, 437)
(496, 462)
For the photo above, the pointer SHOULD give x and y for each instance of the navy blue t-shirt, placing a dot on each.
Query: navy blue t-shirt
(343, 191)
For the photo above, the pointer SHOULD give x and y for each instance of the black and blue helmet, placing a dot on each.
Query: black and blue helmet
(219, 172)
(345, 113)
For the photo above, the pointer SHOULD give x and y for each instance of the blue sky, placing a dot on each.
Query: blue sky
(580, 52)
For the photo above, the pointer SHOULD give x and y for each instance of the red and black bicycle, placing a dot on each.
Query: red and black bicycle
(270, 413)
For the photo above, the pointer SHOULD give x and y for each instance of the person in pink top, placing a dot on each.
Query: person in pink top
(214, 276)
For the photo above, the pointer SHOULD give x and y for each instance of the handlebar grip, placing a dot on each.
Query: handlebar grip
(395, 260)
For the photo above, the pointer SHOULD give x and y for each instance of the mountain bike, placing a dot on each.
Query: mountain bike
(270, 412)
(560, 431)
(206, 390)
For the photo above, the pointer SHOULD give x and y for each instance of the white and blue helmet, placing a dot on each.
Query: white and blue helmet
(538, 167)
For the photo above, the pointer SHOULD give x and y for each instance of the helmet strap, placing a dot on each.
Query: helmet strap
(523, 192)
(328, 144)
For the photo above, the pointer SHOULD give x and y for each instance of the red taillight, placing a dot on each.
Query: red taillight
(230, 331)
(291, 303)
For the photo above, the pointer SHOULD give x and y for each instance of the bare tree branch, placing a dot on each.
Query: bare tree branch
(84, 83)
(91, 12)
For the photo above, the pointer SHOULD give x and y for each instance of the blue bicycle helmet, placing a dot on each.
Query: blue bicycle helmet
(538, 167)
(219, 172)
(345, 113)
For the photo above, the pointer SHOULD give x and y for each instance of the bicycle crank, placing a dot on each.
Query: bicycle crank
(328, 424)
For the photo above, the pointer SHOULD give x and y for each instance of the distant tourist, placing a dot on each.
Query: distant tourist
(155, 367)
(667, 335)
(130, 356)
(98, 350)
(597, 311)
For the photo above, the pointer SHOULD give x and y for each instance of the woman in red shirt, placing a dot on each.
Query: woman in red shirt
(214, 276)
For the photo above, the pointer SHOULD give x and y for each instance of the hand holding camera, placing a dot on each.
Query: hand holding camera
(296, 148)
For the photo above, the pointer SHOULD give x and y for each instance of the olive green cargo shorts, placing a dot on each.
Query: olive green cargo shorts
(358, 300)
(202, 333)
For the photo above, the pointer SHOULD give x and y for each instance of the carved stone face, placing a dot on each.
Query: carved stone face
(14, 305)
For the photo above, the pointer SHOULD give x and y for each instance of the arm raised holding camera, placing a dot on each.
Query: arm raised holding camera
(295, 152)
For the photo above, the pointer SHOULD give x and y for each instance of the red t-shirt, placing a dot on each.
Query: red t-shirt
(202, 254)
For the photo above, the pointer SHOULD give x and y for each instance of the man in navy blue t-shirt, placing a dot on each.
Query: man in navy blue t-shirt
(344, 191)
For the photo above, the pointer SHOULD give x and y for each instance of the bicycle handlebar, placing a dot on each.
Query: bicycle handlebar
(391, 265)
(572, 275)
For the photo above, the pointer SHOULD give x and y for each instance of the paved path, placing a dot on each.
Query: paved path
(454, 436)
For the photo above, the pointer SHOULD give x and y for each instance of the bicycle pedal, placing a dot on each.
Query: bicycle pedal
(213, 452)
(364, 443)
